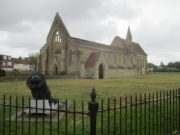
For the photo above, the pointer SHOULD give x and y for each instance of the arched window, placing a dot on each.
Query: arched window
(57, 37)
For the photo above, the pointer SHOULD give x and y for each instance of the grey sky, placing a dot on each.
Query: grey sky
(155, 24)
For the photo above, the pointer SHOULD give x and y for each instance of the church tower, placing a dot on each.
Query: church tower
(129, 36)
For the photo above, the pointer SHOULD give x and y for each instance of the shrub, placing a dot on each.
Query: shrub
(63, 73)
(2, 72)
(167, 70)
(18, 73)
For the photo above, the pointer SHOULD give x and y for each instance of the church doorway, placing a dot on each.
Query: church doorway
(101, 71)
(56, 71)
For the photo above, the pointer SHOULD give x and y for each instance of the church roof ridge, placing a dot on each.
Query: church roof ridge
(95, 45)
(118, 38)
(57, 15)
(93, 42)
(57, 18)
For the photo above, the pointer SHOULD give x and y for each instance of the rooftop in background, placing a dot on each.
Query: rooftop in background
(19, 61)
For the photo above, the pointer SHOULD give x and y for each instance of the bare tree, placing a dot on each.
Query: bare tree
(33, 59)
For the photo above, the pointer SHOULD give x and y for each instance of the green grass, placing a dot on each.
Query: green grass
(79, 89)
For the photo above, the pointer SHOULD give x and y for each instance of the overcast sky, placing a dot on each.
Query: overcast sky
(155, 24)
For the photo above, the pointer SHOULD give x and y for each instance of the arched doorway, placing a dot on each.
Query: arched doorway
(101, 71)
(55, 70)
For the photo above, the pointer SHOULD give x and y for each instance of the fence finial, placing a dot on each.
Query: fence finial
(93, 109)
(93, 94)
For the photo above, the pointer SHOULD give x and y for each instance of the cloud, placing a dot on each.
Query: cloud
(28, 37)
(157, 30)
(12, 12)
(3, 36)
(25, 24)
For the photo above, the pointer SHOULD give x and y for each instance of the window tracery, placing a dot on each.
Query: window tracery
(57, 37)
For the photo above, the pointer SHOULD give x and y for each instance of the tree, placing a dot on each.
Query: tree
(162, 65)
(174, 65)
(33, 59)
(177, 64)
(171, 65)
(153, 66)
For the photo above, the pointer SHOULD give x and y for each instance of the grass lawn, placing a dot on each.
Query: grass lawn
(79, 89)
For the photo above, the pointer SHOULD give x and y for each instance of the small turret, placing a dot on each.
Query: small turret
(129, 36)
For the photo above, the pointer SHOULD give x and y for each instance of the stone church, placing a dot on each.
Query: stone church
(63, 54)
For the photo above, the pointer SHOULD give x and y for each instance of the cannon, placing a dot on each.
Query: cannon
(39, 89)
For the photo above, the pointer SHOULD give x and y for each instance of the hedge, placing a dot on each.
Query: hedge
(166, 70)
(2, 72)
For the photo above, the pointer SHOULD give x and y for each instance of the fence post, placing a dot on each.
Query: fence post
(179, 110)
(93, 109)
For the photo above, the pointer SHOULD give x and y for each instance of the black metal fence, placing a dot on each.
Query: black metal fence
(148, 114)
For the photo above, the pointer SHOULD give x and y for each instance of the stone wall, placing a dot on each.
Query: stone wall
(115, 64)
(113, 73)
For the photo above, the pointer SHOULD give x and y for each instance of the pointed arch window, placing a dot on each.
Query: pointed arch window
(57, 37)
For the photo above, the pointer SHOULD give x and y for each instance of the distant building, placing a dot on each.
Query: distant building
(6, 62)
(20, 65)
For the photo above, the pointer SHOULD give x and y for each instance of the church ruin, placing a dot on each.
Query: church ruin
(66, 55)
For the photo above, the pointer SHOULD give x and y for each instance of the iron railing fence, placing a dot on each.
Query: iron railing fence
(148, 114)
(145, 114)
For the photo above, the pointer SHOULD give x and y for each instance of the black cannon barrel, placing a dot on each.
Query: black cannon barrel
(38, 86)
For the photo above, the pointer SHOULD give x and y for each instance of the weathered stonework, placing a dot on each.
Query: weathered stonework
(63, 54)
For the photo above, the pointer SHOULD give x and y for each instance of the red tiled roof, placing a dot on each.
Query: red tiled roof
(92, 59)
(19, 61)
(135, 48)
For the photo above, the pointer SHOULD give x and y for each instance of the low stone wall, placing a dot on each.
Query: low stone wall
(12, 78)
(15, 78)
(114, 73)
(72, 76)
